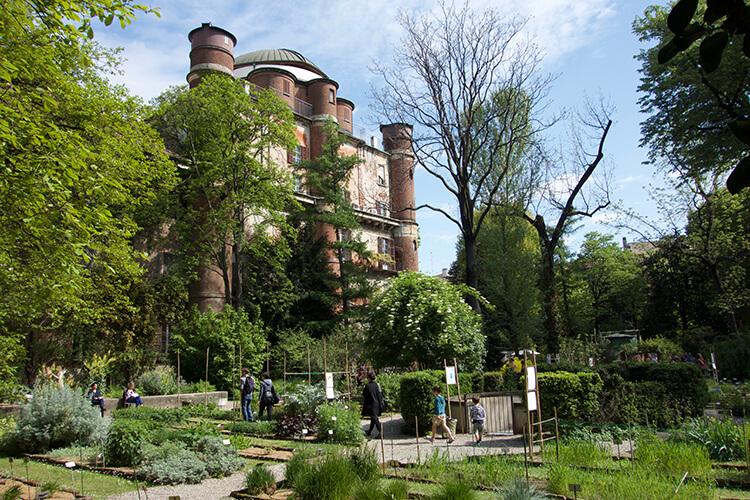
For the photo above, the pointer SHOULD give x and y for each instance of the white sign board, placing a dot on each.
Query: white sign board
(330, 394)
(531, 400)
(450, 375)
(531, 378)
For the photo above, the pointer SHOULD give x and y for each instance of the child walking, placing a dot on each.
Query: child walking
(438, 417)
(478, 416)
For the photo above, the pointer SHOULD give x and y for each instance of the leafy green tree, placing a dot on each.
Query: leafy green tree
(421, 320)
(221, 132)
(326, 176)
(81, 166)
(612, 282)
(688, 110)
(224, 334)
(508, 257)
(722, 27)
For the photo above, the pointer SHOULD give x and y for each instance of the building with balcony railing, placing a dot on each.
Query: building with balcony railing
(380, 188)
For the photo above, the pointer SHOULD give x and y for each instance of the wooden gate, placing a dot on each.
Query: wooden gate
(497, 405)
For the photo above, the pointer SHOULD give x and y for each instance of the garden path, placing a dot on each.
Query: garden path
(209, 489)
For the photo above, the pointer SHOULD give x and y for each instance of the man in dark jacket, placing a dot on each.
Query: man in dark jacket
(373, 403)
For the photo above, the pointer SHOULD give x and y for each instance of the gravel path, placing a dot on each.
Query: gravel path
(209, 489)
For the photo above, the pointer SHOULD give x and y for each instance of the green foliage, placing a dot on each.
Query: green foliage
(584, 453)
(519, 489)
(146, 413)
(575, 395)
(416, 400)
(172, 463)
(83, 170)
(423, 319)
(455, 490)
(260, 480)
(331, 477)
(390, 384)
(666, 349)
(222, 334)
(339, 423)
(260, 428)
(365, 463)
(230, 181)
(376, 490)
(731, 356)
(492, 381)
(12, 493)
(159, 380)
(98, 367)
(220, 459)
(125, 441)
(56, 417)
(304, 399)
(722, 439)
(673, 458)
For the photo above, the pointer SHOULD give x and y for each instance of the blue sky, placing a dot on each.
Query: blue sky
(588, 45)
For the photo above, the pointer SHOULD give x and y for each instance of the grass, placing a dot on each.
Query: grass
(95, 485)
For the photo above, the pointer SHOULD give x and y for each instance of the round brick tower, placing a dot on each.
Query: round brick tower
(397, 141)
(211, 49)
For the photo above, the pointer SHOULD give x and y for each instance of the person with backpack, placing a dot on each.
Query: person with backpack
(478, 416)
(373, 404)
(268, 396)
(247, 387)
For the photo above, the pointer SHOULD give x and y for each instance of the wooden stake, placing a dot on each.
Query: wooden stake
(447, 393)
(325, 356)
(538, 404)
(348, 370)
(557, 438)
(178, 378)
(309, 367)
(528, 412)
(458, 388)
(416, 426)
(284, 372)
(382, 447)
(205, 387)
(525, 457)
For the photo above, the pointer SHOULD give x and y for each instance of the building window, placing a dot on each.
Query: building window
(286, 87)
(296, 154)
(345, 236)
(331, 96)
(299, 184)
(382, 208)
(381, 175)
(385, 247)
(347, 115)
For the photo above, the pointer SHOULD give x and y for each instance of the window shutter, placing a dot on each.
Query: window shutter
(289, 156)
(304, 153)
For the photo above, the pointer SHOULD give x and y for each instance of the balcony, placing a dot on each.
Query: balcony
(299, 106)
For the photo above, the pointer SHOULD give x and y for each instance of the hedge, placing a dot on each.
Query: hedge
(659, 394)
(575, 395)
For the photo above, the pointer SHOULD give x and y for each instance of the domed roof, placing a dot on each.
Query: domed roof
(277, 56)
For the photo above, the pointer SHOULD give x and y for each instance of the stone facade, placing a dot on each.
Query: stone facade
(381, 188)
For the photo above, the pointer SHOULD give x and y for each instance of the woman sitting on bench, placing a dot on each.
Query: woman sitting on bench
(131, 396)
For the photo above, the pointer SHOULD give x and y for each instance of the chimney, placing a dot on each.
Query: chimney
(372, 140)
(624, 243)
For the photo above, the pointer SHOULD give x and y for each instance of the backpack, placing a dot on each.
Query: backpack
(267, 391)
(248, 385)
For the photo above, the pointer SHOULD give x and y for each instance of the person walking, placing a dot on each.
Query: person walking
(478, 416)
(268, 396)
(373, 404)
(438, 416)
(247, 387)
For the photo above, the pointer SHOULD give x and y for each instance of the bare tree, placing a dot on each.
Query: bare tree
(570, 191)
(469, 83)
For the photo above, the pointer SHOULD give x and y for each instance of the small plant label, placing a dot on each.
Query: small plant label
(333, 418)
(70, 465)
(330, 431)
(226, 442)
(304, 432)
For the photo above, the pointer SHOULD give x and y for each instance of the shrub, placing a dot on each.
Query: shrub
(125, 442)
(57, 417)
(415, 400)
(293, 425)
(222, 333)
(365, 463)
(518, 489)
(200, 386)
(723, 439)
(331, 478)
(731, 356)
(453, 490)
(338, 423)
(160, 415)
(298, 465)
(171, 463)
(492, 382)
(260, 480)
(221, 460)
(260, 428)
(304, 399)
(390, 384)
(209, 410)
(666, 349)
(160, 380)
(575, 395)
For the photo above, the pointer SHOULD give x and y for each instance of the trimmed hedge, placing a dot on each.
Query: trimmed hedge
(658, 394)
(575, 395)
(415, 395)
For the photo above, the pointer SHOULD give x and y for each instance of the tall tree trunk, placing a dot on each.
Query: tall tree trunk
(472, 276)
(549, 297)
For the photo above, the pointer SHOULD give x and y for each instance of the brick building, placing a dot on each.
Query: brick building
(380, 188)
